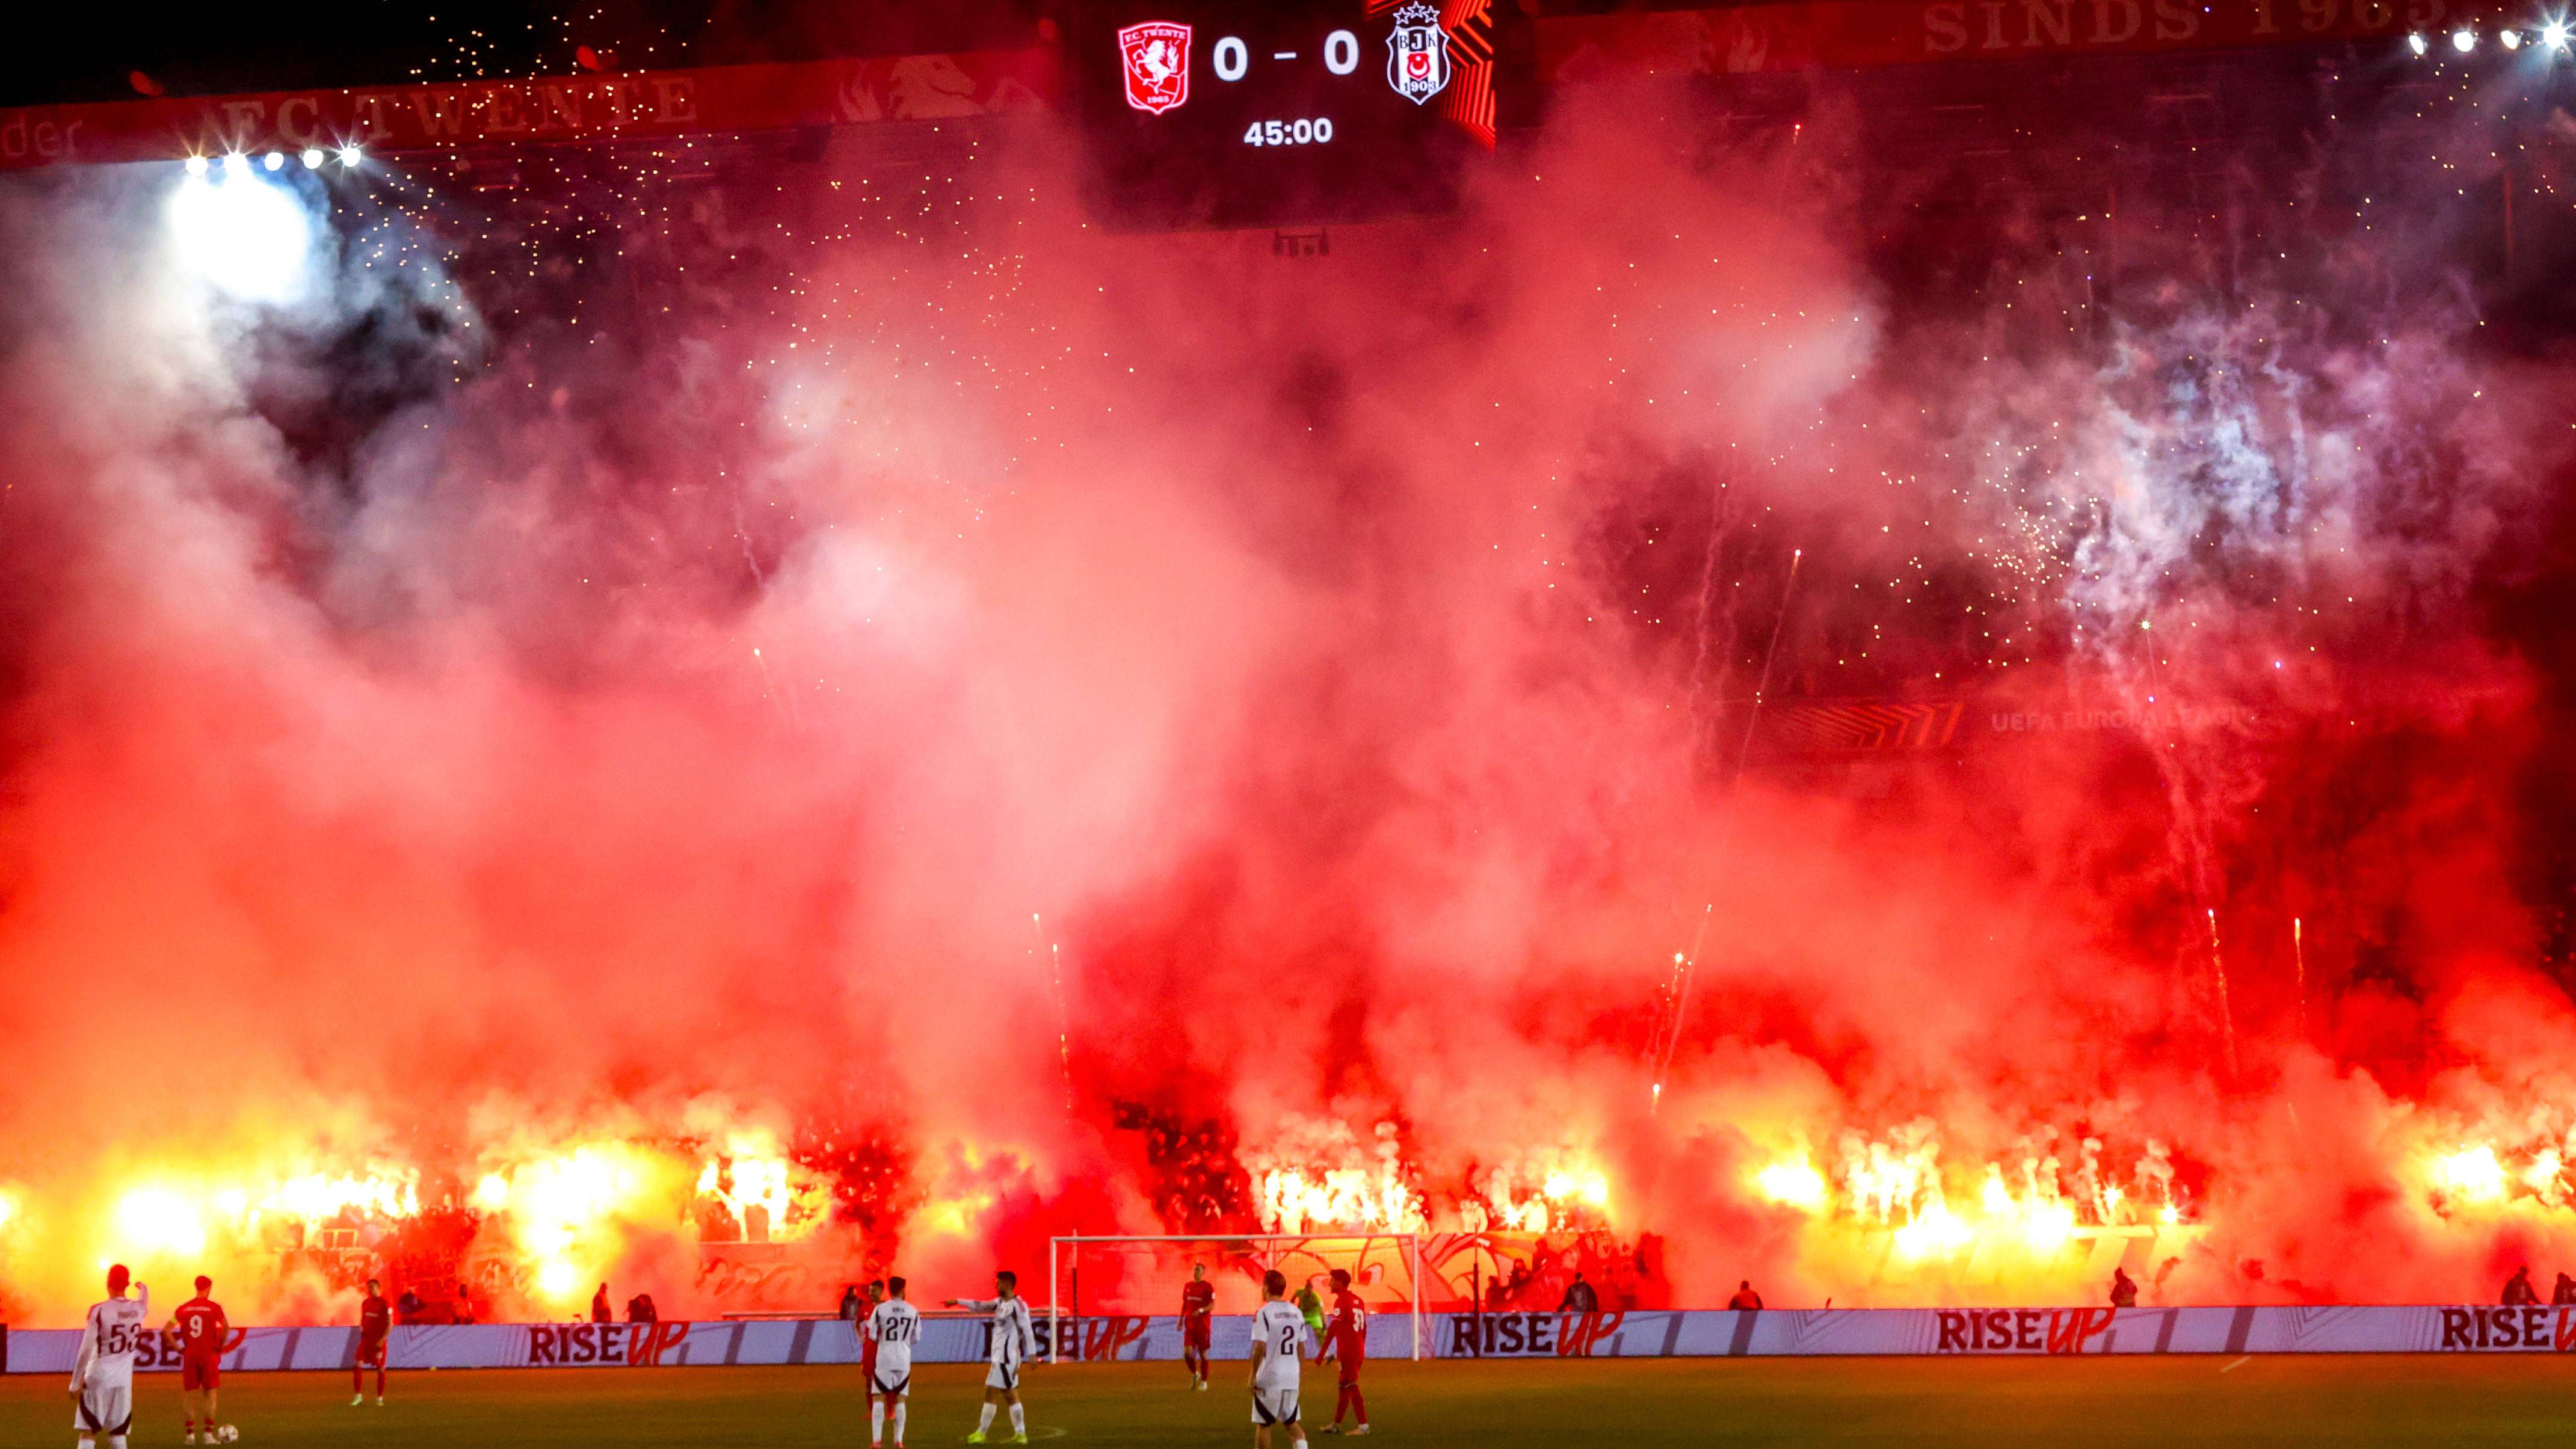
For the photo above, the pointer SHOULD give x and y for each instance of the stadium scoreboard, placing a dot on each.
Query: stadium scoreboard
(1234, 113)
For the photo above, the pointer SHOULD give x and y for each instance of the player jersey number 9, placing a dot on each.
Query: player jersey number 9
(196, 1326)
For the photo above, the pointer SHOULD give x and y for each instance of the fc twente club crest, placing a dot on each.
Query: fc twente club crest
(1417, 54)
(1157, 56)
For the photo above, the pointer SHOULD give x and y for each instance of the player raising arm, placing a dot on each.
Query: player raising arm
(1278, 1336)
(375, 1323)
(893, 1327)
(103, 1371)
(201, 1329)
(1014, 1340)
(1198, 1320)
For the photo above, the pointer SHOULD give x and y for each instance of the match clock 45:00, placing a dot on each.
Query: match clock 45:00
(1251, 114)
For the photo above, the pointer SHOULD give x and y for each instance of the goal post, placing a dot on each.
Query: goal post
(1140, 1275)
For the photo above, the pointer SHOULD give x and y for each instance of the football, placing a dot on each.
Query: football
(226, 1433)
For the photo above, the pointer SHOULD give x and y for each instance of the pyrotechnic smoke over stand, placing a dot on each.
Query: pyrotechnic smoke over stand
(1784, 694)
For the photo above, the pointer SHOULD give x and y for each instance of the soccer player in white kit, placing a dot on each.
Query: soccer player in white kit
(103, 1374)
(894, 1328)
(1278, 1338)
(1014, 1340)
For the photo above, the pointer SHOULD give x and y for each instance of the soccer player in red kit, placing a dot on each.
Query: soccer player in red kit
(201, 1330)
(1349, 1329)
(867, 1341)
(1198, 1323)
(375, 1324)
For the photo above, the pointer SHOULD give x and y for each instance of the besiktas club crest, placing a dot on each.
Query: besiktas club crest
(1417, 54)
(1157, 57)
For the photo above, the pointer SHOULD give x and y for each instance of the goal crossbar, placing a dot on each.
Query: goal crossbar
(1265, 1247)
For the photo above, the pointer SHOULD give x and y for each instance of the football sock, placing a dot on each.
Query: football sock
(986, 1422)
(876, 1421)
(898, 1421)
(1019, 1420)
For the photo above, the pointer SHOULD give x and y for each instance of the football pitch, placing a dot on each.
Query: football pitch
(2348, 1399)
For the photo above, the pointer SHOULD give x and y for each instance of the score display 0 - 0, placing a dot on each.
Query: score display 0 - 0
(1156, 57)
(1232, 113)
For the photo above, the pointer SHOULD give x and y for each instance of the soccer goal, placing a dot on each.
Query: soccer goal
(1141, 1276)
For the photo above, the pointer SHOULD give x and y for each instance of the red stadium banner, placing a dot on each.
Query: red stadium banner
(717, 100)
(641, 104)
(1857, 34)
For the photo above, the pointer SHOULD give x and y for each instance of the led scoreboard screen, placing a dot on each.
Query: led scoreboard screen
(1288, 113)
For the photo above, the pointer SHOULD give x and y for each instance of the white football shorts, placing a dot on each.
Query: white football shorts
(1274, 1406)
(105, 1409)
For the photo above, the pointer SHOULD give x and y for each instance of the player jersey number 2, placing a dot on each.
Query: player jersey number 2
(1288, 1340)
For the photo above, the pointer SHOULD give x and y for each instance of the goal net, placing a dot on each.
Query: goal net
(1141, 1277)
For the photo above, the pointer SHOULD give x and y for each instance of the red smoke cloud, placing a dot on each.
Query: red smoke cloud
(893, 661)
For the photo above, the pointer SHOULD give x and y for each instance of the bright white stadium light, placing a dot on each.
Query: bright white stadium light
(312, 158)
(272, 161)
(243, 235)
(236, 164)
(2554, 35)
(2464, 40)
(196, 165)
(2510, 39)
(350, 156)
(2416, 43)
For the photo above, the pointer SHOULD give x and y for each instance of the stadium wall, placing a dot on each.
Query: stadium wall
(1770, 1333)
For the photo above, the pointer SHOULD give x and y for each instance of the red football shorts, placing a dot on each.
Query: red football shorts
(200, 1373)
(1350, 1351)
(1196, 1333)
(371, 1351)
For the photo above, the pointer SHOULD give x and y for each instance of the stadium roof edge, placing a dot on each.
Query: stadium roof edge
(1784, 37)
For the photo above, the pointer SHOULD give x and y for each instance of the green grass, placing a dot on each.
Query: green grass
(2093, 1402)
